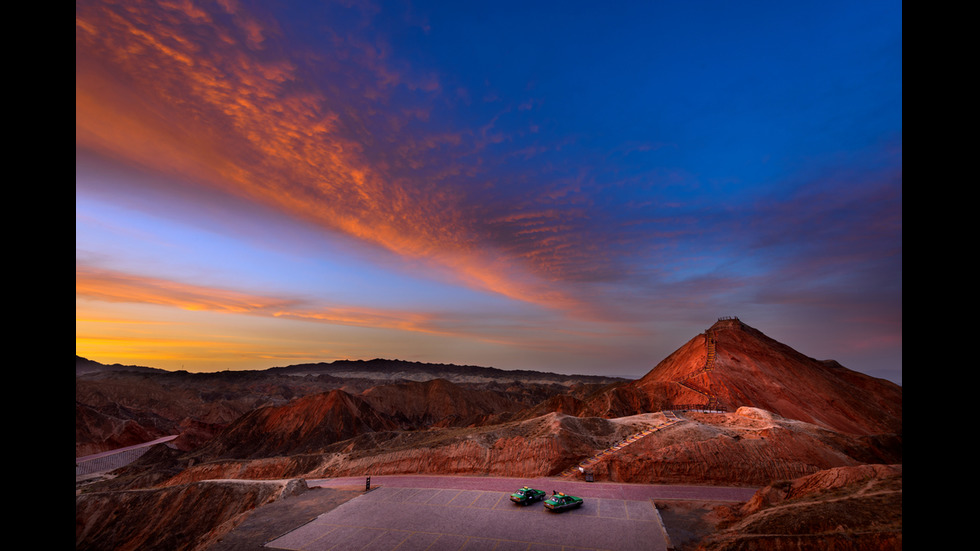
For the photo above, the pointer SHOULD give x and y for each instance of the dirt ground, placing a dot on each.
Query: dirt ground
(688, 521)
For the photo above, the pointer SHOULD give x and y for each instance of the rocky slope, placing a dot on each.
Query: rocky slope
(749, 447)
(439, 403)
(118, 406)
(171, 517)
(536, 447)
(848, 508)
(751, 369)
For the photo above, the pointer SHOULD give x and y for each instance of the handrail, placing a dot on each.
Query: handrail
(586, 463)
(113, 459)
(709, 364)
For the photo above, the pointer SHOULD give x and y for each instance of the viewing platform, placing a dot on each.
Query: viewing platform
(727, 322)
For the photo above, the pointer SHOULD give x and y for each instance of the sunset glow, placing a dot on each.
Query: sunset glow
(526, 185)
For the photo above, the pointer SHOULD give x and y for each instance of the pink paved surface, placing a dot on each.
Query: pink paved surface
(579, 488)
(409, 513)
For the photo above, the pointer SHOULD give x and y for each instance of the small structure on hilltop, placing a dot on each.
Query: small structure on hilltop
(728, 321)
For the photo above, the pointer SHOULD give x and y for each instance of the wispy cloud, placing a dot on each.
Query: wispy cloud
(250, 121)
(120, 287)
(114, 286)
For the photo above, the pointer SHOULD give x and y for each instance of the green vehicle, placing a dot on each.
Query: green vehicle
(561, 502)
(525, 496)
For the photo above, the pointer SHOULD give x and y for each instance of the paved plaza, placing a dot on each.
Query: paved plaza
(411, 519)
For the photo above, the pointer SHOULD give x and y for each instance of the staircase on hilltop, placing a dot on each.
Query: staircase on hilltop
(714, 403)
(709, 362)
(586, 464)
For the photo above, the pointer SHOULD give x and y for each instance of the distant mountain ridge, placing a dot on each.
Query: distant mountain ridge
(118, 405)
(384, 370)
(84, 366)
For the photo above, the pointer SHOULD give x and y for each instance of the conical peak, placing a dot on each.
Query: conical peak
(733, 364)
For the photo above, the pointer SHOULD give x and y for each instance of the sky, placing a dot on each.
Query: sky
(571, 187)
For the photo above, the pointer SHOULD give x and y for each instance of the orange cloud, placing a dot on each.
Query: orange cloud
(106, 286)
(172, 352)
(166, 87)
(112, 286)
(119, 287)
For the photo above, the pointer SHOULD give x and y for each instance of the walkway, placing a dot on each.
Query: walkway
(714, 403)
(113, 459)
(585, 465)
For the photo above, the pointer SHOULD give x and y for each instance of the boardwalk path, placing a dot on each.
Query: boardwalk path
(113, 459)
(585, 465)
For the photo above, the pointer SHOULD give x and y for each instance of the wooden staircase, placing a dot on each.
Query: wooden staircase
(709, 365)
(709, 362)
(672, 419)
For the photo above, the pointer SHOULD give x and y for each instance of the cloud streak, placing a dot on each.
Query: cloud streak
(256, 128)
(109, 286)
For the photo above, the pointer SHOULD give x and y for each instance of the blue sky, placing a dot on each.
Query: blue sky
(570, 187)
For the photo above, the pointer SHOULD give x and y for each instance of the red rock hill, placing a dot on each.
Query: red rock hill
(733, 365)
(305, 424)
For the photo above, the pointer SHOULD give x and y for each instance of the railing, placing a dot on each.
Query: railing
(707, 408)
(709, 361)
(107, 461)
(696, 388)
(586, 464)
(714, 404)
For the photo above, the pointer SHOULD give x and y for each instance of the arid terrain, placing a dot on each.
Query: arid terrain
(731, 407)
